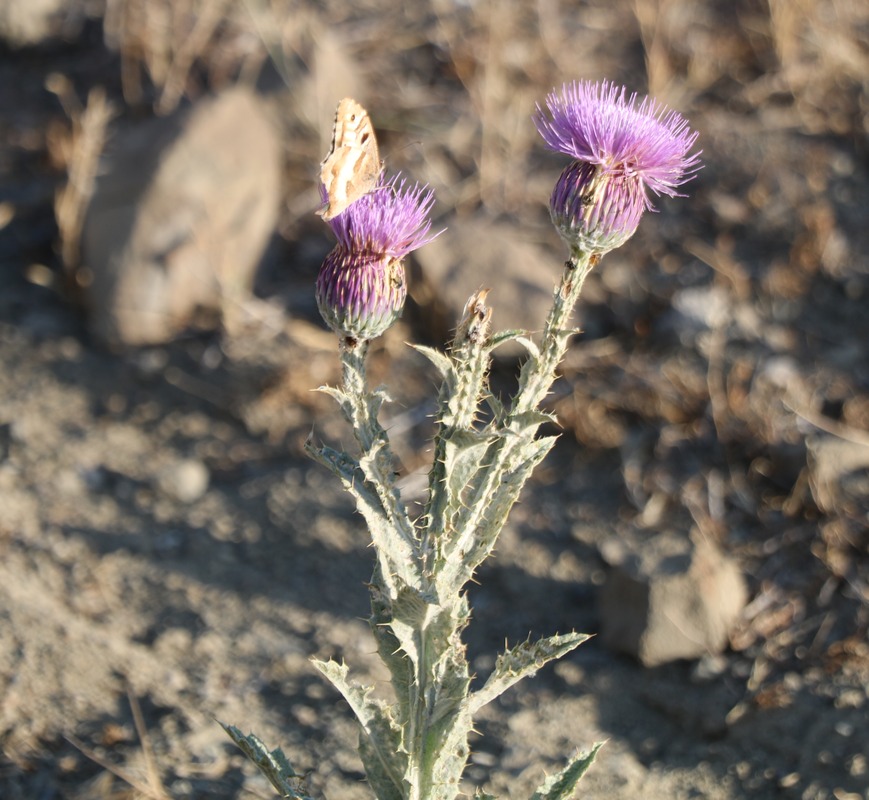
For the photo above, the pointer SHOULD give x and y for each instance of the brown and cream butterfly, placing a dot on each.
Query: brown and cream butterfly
(353, 166)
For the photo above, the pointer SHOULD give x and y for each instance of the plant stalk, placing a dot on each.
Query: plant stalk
(538, 374)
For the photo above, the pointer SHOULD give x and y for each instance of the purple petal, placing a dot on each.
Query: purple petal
(598, 123)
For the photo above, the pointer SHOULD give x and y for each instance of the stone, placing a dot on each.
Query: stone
(185, 481)
(670, 598)
(839, 474)
(180, 217)
(474, 254)
(29, 22)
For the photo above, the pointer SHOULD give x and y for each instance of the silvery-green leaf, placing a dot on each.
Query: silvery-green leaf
(482, 519)
(453, 682)
(451, 760)
(527, 422)
(562, 785)
(401, 669)
(461, 455)
(392, 536)
(522, 661)
(497, 408)
(501, 337)
(272, 763)
(381, 749)
(410, 614)
(464, 454)
(529, 345)
(447, 742)
(390, 527)
(439, 359)
(340, 464)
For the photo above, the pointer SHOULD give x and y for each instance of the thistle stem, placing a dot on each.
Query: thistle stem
(538, 374)
(366, 428)
(361, 411)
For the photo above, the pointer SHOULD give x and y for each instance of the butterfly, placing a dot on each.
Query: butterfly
(353, 166)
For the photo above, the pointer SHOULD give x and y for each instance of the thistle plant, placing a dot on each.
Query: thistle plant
(416, 746)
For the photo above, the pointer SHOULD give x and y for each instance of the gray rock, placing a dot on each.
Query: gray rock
(28, 22)
(670, 599)
(839, 474)
(185, 481)
(180, 219)
(473, 254)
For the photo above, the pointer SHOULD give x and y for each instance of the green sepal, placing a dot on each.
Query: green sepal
(271, 763)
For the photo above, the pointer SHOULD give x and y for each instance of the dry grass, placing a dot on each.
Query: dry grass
(707, 429)
(78, 149)
(170, 41)
(476, 145)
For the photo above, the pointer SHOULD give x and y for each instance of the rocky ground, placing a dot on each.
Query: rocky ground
(170, 557)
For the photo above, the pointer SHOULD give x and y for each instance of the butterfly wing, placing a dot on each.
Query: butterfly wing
(352, 167)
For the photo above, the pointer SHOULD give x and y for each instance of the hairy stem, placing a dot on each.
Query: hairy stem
(538, 374)
(372, 439)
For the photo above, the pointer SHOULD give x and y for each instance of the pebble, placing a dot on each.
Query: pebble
(789, 780)
(857, 767)
(185, 481)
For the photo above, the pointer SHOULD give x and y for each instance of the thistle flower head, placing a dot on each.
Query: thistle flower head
(391, 221)
(361, 287)
(622, 147)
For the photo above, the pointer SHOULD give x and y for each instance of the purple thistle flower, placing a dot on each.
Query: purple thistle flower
(621, 148)
(359, 295)
(361, 287)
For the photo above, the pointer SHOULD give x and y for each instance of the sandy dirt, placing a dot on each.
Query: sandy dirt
(169, 557)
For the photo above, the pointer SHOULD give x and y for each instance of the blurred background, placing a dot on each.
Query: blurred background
(170, 557)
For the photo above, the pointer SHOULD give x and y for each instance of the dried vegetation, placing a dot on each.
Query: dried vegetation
(721, 386)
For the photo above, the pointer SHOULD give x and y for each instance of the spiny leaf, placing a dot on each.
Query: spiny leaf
(338, 463)
(410, 612)
(441, 361)
(527, 422)
(497, 408)
(401, 668)
(391, 537)
(344, 400)
(464, 452)
(336, 393)
(521, 661)
(272, 763)
(380, 747)
(530, 346)
(390, 528)
(501, 337)
(562, 785)
(482, 519)
(447, 746)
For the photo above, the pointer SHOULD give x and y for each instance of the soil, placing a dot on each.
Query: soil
(171, 558)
